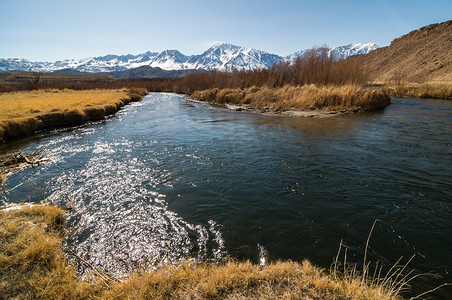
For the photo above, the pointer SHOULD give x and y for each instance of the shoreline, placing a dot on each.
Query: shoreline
(16, 127)
(289, 113)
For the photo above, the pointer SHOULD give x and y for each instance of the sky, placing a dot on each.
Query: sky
(51, 30)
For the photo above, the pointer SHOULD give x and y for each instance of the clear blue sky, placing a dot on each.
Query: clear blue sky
(50, 30)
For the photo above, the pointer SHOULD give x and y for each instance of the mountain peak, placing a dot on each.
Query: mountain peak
(223, 48)
(170, 52)
(223, 45)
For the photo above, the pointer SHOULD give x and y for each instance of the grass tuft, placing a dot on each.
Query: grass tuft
(32, 262)
(244, 280)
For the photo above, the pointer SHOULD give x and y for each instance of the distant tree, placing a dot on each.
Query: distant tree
(36, 77)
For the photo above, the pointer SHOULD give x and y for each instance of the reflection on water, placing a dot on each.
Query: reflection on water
(169, 179)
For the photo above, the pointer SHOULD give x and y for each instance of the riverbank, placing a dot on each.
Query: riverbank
(33, 264)
(293, 113)
(307, 100)
(430, 90)
(26, 112)
(14, 162)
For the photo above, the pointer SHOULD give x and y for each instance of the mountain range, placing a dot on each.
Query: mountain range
(220, 56)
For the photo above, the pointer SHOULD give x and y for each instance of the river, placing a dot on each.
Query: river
(167, 179)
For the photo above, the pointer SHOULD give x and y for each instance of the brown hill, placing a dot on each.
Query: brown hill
(421, 55)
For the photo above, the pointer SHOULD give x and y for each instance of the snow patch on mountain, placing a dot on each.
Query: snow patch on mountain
(169, 60)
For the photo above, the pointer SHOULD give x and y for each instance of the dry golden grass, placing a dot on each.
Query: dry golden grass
(25, 112)
(431, 90)
(32, 262)
(34, 103)
(244, 280)
(33, 266)
(307, 97)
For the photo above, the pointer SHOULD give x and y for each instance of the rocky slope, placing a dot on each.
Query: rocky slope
(424, 54)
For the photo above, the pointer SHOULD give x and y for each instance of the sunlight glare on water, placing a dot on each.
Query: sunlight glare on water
(121, 222)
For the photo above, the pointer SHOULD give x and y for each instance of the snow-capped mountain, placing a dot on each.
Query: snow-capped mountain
(107, 63)
(338, 53)
(220, 56)
(19, 64)
(343, 52)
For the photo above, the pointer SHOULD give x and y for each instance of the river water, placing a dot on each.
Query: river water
(167, 179)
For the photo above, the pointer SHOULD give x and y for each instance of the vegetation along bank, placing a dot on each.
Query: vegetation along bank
(26, 112)
(33, 264)
(314, 82)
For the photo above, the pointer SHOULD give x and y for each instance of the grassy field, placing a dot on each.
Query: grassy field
(25, 112)
(306, 97)
(33, 266)
(37, 77)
